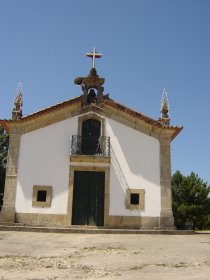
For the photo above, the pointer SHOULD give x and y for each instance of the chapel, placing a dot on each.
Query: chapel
(89, 161)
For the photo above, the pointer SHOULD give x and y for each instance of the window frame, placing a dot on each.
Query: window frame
(94, 116)
(35, 202)
(141, 204)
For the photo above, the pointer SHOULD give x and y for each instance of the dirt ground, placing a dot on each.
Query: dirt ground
(38, 256)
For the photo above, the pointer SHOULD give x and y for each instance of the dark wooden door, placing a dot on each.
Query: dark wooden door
(88, 198)
(91, 130)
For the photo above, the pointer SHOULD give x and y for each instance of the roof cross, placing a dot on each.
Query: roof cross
(94, 55)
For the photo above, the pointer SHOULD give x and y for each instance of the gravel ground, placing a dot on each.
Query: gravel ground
(39, 256)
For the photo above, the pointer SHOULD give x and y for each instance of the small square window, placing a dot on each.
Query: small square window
(42, 196)
(134, 199)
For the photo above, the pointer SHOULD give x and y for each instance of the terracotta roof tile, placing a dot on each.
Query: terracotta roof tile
(142, 117)
(109, 102)
(52, 108)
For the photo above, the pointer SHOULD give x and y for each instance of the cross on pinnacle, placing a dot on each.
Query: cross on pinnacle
(94, 55)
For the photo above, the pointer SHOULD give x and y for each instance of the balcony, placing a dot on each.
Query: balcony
(90, 145)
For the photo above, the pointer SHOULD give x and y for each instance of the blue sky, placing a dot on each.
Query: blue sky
(146, 44)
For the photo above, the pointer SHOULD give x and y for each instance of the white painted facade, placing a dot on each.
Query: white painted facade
(135, 164)
(44, 160)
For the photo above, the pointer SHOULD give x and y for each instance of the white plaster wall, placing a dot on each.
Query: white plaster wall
(44, 160)
(135, 163)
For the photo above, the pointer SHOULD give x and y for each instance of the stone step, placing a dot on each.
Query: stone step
(90, 230)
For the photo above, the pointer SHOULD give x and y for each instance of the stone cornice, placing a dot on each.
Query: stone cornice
(110, 108)
(139, 121)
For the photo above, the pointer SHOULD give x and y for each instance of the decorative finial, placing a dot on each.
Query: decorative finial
(164, 109)
(18, 103)
(94, 55)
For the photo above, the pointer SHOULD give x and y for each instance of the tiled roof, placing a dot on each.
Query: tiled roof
(107, 101)
(141, 116)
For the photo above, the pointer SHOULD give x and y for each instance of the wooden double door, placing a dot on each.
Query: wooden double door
(88, 198)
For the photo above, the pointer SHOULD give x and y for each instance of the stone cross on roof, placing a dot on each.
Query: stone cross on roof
(94, 55)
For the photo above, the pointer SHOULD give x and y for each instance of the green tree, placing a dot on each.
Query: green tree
(4, 143)
(191, 201)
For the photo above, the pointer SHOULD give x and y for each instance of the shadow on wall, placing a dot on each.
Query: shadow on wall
(118, 170)
(135, 152)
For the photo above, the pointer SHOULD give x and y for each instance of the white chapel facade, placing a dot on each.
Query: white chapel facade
(89, 161)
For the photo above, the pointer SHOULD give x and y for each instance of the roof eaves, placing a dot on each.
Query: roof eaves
(142, 117)
(132, 112)
(51, 108)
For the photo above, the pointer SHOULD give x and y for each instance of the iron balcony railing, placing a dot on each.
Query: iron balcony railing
(90, 145)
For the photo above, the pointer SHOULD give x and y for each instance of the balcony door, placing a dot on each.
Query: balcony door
(91, 130)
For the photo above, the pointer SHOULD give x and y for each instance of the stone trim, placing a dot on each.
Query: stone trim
(141, 205)
(42, 119)
(72, 108)
(89, 158)
(50, 118)
(152, 128)
(132, 222)
(41, 219)
(94, 164)
(107, 188)
(166, 214)
(8, 210)
(131, 122)
(47, 203)
(91, 115)
(91, 108)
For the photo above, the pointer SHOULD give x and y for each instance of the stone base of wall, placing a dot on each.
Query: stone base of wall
(132, 222)
(110, 221)
(35, 219)
(167, 222)
(7, 215)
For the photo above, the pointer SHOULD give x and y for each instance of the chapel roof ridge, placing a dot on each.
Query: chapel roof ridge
(106, 101)
(130, 110)
(50, 108)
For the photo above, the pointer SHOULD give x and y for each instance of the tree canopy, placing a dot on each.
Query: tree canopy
(4, 143)
(191, 201)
